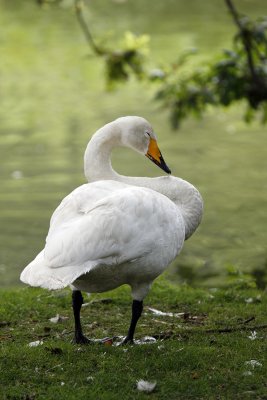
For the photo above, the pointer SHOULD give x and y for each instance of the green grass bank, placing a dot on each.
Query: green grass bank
(207, 354)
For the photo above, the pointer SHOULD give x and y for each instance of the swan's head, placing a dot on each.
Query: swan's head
(138, 134)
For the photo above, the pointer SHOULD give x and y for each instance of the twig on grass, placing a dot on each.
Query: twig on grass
(163, 336)
(236, 329)
(249, 320)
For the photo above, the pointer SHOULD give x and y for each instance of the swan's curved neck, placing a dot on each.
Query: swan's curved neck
(97, 157)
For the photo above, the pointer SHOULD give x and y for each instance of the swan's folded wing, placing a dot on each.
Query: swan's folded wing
(129, 224)
(81, 201)
(115, 229)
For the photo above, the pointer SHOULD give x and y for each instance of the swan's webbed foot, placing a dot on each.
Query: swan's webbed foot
(127, 341)
(79, 338)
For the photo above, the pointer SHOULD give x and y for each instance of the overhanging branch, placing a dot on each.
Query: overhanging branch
(245, 34)
(79, 13)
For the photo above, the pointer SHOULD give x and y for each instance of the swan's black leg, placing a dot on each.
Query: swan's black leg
(137, 308)
(77, 301)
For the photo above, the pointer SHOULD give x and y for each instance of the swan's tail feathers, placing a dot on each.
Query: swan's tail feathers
(39, 273)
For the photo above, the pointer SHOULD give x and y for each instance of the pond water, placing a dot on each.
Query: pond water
(53, 98)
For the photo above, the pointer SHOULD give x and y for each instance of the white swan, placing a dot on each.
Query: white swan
(116, 229)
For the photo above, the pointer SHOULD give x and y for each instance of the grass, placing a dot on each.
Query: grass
(194, 359)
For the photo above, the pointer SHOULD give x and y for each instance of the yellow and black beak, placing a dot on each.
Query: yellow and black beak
(154, 154)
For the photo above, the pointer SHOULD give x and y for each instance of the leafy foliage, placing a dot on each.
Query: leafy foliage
(129, 59)
(233, 77)
(239, 74)
(120, 63)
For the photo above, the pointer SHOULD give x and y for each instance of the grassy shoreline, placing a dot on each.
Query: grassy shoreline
(206, 355)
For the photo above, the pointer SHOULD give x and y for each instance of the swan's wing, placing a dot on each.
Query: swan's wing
(127, 224)
(122, 226)
(80, 201)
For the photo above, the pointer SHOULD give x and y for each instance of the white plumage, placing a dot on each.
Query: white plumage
(117, 229)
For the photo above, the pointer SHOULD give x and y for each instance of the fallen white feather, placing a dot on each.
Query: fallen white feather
(145, 340)
(36, 343)
(85, 304)
(144, 386)
(167, 314)
(253, 363)
(58, 318)
(247, 373)
(253, 335)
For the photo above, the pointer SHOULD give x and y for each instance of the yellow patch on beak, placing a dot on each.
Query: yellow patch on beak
(153, 150)
(154, 154)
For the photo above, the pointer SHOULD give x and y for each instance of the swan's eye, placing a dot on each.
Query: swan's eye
(147, 135)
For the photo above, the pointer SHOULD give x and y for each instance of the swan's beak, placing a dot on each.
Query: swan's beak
(154, 154)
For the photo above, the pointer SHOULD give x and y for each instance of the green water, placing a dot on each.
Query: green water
(52, 99)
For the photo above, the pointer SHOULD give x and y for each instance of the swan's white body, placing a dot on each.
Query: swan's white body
(116, 229)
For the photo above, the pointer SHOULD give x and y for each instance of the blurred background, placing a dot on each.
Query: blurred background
(53, 97)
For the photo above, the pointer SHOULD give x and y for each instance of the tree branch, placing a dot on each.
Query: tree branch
(79, 13)
(245, 38)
